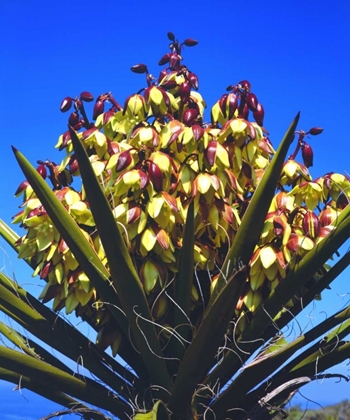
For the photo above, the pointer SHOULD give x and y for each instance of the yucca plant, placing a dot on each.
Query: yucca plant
(188, 246)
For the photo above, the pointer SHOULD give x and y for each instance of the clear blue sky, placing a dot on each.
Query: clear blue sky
(295, 54)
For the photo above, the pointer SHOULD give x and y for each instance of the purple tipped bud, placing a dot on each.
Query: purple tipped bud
(314, 131)
(245, 85)
(210, 152)
(139, 68)
(165, 59)
(98, 109)
(198, 131)
(307, 154)
(86, 97)
(190, 42)
(193, 79)
(41, 169)
(169, 84)
(162, 74)
(73, 119)
(189, 116)
(259, 114)
(171, 36)
(252, 101)
(311, 224)
(79, 124)
(174, 60)
(184, 91)
(232, 102)
(156, 176)
(66, 104)
(124, 160)
(22, 187)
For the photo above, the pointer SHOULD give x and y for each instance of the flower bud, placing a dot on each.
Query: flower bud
(98, 109)
(156, 176)
(174, 59)
(198, 132)
(184, 91)
(165, 59)
(307, 154)
(252, 101)
(258, 114)
(139, 68)
(171, 36)
(210, 152)
(314, 131)
(311, 224)
(22, 187)
(190, 42)
(79, 124)
(66, 104)
(107, 116)
(41, 169)
(193, 79)
(189, 116)
(162, 74)
(124, 160)
(245, 85)
(86, 97)
(73, 119)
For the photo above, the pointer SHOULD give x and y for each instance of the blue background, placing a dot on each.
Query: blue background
(295, 54)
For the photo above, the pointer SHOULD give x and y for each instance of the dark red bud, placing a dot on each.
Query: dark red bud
(222, 104)
(144, 180)
(184, 91)
(22, 187)
(65, 140)
(198, 131)
(41, 169)
(88, 133)
(189, 116)
(311, 224)
(46, 270)
(174, 60)
(73, 166)
(245, 85)
(314, 131)
(73, 118)
(246, 170)
(98, 109)
(165, 59)
(190, 42)
(139, 68)
(169, 84)
(210, 152)
(162, 74)
(252, 101)
(86, 97)
(193, 79)
(124, 160)
(232, 104)
(231, 87)
(307, 154)
(66, 104)
(156, 176)
(171, 36)
(259, 114)
(79, 124)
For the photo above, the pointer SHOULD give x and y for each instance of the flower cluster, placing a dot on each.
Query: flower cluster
(153, 157)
